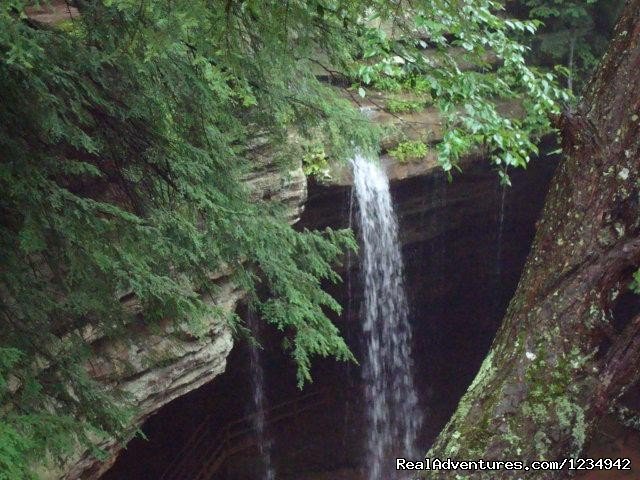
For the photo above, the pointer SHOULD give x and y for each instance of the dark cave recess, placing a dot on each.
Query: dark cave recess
(458, 282)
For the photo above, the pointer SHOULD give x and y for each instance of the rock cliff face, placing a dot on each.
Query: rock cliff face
(156, 366)
(162, 366)
(435, 217)
(464, 244)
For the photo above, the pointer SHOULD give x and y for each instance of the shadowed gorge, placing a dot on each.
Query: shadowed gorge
(449, 234)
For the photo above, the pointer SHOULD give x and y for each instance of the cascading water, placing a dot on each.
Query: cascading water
(497, 296)
(392, 404)
(503, 197)
(258, 401)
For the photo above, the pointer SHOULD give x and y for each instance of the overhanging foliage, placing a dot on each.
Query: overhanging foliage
(124, 137)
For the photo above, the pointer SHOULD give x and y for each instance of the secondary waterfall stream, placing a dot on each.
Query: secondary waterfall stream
(500, 233)
(258, 401)
(497, 297)
(393, 416)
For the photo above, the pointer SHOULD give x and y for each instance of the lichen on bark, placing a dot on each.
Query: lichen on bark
(549, 375)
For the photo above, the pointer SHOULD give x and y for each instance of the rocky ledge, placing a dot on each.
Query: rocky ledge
(155, 365)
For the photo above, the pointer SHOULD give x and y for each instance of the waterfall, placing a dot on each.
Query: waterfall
(498, 294)
(503, 196)
(393, 416)
(349, 262)
(258, 400)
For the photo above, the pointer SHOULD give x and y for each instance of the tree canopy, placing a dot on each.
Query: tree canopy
(575, 34)
(124, 136)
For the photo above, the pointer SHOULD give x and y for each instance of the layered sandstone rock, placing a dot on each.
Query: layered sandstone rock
(155, 365)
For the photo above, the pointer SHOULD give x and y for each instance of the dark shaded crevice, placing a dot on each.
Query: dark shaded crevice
(626, 308)
(457, 298)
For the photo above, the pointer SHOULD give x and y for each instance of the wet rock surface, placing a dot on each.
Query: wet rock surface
(458, 282)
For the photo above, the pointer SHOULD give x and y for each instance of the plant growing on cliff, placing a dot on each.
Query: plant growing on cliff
(409, 151)
(464, 42)
(315, 162)
(405, 106)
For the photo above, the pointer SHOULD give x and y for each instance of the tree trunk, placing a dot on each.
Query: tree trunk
(558, 363)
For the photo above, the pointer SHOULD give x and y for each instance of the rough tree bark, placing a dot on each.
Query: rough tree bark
(557, 362)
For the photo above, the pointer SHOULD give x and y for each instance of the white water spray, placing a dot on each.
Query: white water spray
(392, 404)
(259, 401)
